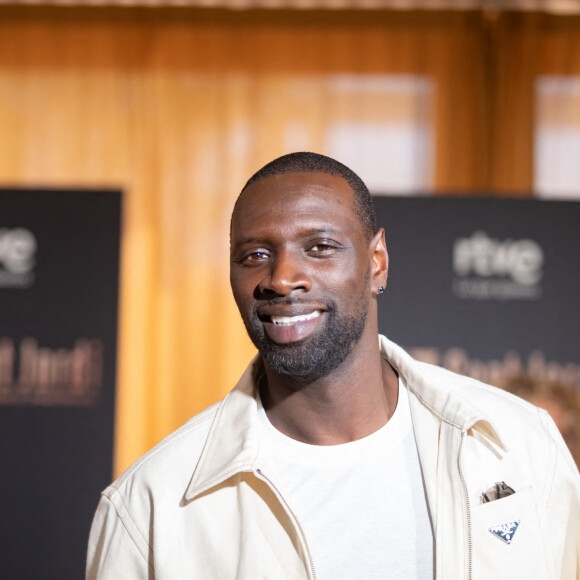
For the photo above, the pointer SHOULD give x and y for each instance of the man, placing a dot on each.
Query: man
(337, 455)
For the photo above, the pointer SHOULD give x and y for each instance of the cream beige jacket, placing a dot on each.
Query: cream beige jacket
(199, 506)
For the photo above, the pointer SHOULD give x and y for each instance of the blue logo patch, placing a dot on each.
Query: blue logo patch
(505, 532)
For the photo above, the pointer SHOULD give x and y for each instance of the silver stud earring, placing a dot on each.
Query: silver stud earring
(381, 289)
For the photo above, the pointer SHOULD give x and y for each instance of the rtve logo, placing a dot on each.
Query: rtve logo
(17, 250)
(482, 256)
(17, 258)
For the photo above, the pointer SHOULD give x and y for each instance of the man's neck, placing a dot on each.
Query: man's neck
(348, 404)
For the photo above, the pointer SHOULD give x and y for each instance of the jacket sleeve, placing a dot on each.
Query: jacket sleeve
(563, 506)
(116, 551)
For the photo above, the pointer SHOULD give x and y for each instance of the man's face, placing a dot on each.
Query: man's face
(300, 271)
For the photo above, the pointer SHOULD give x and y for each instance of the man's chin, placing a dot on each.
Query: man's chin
(294, 359)
(306, 361)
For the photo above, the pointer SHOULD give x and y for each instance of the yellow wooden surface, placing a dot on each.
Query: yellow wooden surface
(179, 107)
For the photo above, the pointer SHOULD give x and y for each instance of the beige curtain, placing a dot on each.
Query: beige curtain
(179, 107)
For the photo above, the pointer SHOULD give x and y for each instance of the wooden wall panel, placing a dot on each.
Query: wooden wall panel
(178, 107)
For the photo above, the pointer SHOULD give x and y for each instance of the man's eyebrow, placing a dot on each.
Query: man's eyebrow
(323, 230)
(248, 241)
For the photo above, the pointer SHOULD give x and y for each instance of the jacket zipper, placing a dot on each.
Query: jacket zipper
(467, 506)
(271, 484)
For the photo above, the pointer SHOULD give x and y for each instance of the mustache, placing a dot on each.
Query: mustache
(329, 303)
(284, 301)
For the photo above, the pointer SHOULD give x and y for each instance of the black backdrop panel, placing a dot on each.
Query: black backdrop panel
(487, 287)
(59, 271)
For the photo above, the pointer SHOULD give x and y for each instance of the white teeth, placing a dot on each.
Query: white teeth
(290, 320)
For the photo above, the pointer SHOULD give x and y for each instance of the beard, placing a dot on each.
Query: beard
(318, 355)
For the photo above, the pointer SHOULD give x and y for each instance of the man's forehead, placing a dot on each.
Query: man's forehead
(297, 206)
(292, 187)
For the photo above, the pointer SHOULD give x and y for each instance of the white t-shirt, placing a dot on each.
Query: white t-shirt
(361, 505)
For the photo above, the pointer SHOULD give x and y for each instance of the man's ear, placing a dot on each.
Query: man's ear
(379, 259)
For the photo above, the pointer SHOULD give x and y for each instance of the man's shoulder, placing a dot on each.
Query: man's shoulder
(171, 462)
(517, 426)
(463, 400)
(491, 400)
(168, 468)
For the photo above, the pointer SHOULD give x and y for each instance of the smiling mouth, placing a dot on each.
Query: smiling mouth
(290, 320)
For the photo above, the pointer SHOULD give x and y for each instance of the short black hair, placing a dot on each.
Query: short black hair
(307, 162)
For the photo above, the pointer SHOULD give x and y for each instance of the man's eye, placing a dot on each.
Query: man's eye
(321, 248)
(255, 257)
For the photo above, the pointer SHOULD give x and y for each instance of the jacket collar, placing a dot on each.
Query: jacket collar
(441, 391)
(232, 444)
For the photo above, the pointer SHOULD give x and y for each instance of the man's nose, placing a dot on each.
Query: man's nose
(286, 273)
